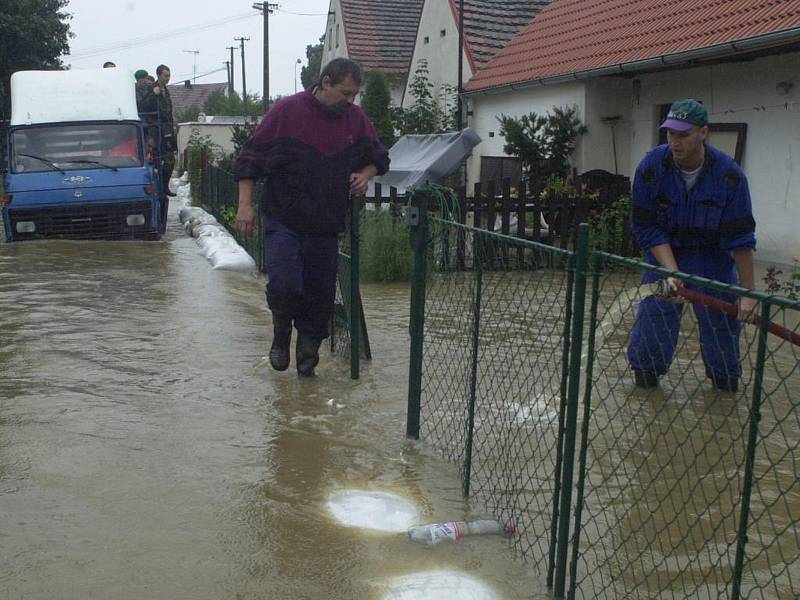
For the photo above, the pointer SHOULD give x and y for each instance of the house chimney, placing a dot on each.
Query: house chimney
(187, 83)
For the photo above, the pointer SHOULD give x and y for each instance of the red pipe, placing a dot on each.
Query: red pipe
(731, 309)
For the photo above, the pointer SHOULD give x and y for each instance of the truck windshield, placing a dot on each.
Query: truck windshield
(75, 147)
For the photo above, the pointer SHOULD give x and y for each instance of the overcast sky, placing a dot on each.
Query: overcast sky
(129, 33)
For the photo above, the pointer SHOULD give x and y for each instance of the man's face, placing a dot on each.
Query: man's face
(163, 78)
(687, 144)
(142, 81)
(341, 95)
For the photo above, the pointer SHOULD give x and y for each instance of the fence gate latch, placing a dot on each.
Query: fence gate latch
(410, 215)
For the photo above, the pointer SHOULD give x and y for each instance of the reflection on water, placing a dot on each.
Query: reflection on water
(147, 451)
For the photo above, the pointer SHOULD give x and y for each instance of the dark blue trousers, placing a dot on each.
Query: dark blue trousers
(655, 332)
(301, 273)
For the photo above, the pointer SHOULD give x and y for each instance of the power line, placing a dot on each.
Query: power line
(184, 77)
(299, 14)
(159, 37)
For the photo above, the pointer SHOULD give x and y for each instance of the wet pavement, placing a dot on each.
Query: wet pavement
(147, 450)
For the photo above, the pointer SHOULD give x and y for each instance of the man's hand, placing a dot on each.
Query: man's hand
(358, 184)
(675, 285)
(360, 181)
(747, 307)
(246, 216)
(156, 90)
(245, 219)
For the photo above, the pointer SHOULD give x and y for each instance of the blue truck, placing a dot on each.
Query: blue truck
(76, 161)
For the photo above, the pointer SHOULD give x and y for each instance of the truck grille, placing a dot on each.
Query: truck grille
(88, 221)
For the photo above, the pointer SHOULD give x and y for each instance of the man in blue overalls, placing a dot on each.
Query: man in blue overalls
(691, 213)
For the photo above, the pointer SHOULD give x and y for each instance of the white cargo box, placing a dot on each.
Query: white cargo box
(80, 95)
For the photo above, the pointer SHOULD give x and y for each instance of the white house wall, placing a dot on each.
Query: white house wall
(487, 108)
(606, 98)
(334, 44)
(441, 52)
(743, 92)
(220, 134)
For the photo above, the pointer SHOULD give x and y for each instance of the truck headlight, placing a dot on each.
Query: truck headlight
(135, 220)
(26, 227)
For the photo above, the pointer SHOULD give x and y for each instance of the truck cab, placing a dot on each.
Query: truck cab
(76, 162)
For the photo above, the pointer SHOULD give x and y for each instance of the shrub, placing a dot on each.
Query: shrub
(385, 248)
(197, 145)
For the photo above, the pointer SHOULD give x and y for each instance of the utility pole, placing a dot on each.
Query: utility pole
(241, 41)
(230, 88)
(460, 90)
(194, 65)
(227, 64)
(266, 9)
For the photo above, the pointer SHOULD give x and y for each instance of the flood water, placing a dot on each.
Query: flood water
(147, 450)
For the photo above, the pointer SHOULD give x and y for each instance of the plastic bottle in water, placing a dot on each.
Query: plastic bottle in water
(453, 531)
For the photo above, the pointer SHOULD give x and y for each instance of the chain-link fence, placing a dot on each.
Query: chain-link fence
(685, 486)
(493, 379)
(691, 487)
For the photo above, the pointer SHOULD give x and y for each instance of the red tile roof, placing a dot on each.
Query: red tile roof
(571, 36)
(380, 34)
(490, 24)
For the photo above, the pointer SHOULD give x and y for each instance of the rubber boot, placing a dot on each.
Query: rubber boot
(725, 384)
(281, 341)
(645, 379)
(306, 354)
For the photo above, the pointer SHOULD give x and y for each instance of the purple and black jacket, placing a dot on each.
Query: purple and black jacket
(306, 153)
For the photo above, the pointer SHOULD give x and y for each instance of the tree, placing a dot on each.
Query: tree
(222, 103)
(542, 143)
(240, 135)
(34, 34)
(309, 75)
(376, 104)
(426, 115)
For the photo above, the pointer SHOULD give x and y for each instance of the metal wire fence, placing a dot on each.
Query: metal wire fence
(493, 376)
(688, 489)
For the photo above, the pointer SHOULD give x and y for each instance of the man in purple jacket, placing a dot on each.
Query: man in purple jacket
(314, 150)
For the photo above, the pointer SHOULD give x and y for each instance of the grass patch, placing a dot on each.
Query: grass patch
(386, 254)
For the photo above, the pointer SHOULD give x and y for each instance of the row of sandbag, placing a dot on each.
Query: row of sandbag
(215, 242)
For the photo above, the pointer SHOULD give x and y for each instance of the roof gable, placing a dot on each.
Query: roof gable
(184, 97)
(490, 24)
(570, 36)
(380, 34)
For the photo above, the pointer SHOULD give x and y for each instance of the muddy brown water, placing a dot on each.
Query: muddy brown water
(147, 451)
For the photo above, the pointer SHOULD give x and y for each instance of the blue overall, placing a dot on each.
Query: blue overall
(703, 227)
(301, 272)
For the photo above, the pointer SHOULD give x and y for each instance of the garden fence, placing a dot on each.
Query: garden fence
(519, 375)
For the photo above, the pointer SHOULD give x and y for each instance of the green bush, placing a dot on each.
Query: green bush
(196, 146)
(607, 227)
(385, 248)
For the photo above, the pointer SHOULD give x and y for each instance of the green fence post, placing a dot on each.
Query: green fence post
(355, 291)
(597, 265)
(581, 264)
(752, 442)
(478, 254)
(562, 409)
(417, 217)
